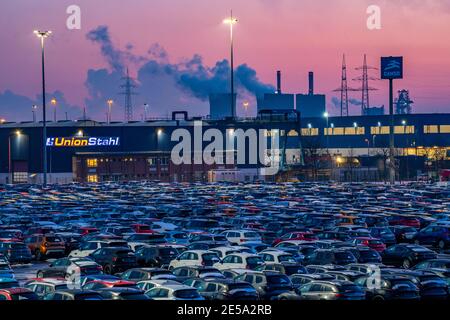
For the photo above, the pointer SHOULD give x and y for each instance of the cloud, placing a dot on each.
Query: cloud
(166, 84)
(16, 107)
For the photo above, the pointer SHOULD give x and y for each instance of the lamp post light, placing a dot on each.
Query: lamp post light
(17, 133)
(145, 111)
(231, 21)
(42, 35)
(326, 116)
(33, 111)
(53, 103)
(110, 103)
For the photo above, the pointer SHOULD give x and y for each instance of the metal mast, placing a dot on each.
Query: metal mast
(343, 89)
(365, 103)
(128, 86)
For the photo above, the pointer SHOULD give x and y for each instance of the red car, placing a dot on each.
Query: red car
(87, 230)
(405, 221)
(306, 236)
(142, 228)
(17, 294)
(119, 283)
(372, 243)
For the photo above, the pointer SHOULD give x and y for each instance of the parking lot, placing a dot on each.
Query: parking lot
(160, 241)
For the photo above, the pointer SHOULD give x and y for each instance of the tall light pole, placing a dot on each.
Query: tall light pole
(42, 35)
(326, 116)
(231, 21)
(109, 102)
(145, 111)
(33, 110)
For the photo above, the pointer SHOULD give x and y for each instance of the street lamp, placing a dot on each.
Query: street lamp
(53, 102)
(109, 102)
(17, 133)
(245, 105)
(326, 115)
(145, 111)
(33, 111)
(42, 35)
(231, 21)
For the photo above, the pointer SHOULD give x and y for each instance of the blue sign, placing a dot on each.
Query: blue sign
(391, 67)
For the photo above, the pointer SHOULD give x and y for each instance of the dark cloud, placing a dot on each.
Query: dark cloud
(16, 107)
(169, 85)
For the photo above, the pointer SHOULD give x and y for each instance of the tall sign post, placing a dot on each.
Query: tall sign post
(391, 68)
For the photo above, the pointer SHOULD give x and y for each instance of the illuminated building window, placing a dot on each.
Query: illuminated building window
(92, 178)
(151, 161)
(293, 133)
(445, 129)
(404, 129)
(310, 132)
(20, 177)
(354, 131)
(92, 163)
(430, 129)
(379, 130)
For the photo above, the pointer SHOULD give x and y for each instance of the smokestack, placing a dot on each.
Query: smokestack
(311, 83)
(279, 82)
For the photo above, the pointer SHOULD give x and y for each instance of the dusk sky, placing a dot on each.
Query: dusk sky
(175, 49)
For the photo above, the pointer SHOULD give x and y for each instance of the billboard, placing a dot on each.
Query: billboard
(391, 67)
(82, 141)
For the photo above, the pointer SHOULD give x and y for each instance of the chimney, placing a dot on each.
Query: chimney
(279, 82)
(311, 83)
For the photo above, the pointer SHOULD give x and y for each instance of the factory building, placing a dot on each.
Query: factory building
(277, 101)
(311, 105)
(88, 151)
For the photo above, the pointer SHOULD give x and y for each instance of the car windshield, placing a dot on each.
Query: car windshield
(210, 256)
(167, 252)
(278, 279)
(254, 260)
(250, 235)
(234, 286)
(344, 256)
(286, 258)
(186, 294)
(24, 296)
(53, 239)
(89, 296)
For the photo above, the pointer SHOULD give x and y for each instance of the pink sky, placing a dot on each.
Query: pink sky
(289, 35)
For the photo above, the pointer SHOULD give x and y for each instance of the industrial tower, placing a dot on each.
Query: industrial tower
(403, 102)
(128, 86)
(365, 103)
(344, 89)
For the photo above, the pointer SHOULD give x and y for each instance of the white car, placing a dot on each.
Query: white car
(236, 237)
(174, 292)
(241, 260)
(150, 284)
(276, 256)
(224, 251)
(89, 247)
(194, 258)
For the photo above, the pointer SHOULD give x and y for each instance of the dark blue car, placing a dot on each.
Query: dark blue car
(438, 236)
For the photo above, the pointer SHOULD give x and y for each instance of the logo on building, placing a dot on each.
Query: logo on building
(391, 67)
(83, 141)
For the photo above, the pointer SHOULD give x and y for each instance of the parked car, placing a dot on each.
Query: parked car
(194, 258)
(268, 284)
(66, 267)
(44, 246)
(242, 260)
(15, 252)
(174, 292)
(155, 256)
(436, 235)
(389, 287)
(114, 259)
(331, 290)
(406, 255)
(17, 294)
